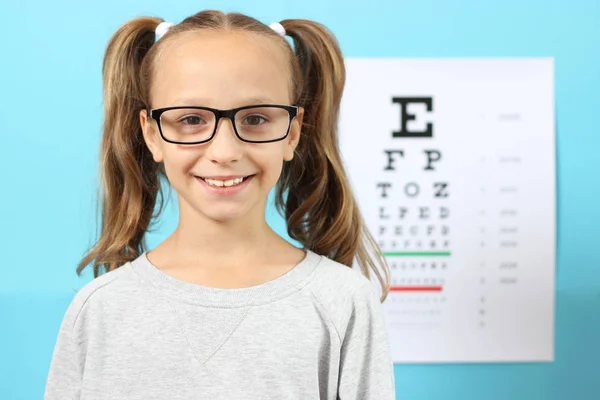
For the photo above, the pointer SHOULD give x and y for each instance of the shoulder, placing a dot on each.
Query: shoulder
(344, 293)
(100, 292)
(337, 277)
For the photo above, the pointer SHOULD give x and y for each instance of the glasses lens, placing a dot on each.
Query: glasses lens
(261, 124)
(187, 125)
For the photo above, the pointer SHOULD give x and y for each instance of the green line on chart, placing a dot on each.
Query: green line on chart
(417, 254)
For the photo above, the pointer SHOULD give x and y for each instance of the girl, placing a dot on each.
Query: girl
(225, 109)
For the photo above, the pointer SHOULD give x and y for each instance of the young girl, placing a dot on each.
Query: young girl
(223, 107)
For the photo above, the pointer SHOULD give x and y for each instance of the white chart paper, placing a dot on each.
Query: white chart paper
(453, 164)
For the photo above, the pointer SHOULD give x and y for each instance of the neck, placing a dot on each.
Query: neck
(198, 238)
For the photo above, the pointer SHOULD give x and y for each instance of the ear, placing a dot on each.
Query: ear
(151, 138)
(294, 136)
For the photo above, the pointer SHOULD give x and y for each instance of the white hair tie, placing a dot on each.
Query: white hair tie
(277, 27)
(162, 28)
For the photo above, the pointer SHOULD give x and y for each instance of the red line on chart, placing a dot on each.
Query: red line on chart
(416, 289)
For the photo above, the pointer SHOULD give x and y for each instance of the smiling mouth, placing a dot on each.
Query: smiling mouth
(225, 183)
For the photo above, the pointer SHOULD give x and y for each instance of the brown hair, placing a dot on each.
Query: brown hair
(313, 192)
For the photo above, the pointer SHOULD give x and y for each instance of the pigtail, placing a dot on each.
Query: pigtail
(130, 179)
(314, 193)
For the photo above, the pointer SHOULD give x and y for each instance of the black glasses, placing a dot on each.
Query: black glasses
(253, 124)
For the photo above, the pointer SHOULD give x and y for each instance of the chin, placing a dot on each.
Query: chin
(224, 215)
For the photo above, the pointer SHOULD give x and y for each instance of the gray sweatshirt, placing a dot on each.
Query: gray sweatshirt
(136, 333)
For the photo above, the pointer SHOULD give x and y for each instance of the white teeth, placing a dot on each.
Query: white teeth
(230, 182)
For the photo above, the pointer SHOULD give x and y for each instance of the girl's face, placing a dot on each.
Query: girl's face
(223, 71)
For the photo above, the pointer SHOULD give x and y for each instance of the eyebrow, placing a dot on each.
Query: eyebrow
(197, 101)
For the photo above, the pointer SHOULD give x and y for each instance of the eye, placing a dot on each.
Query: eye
(192, 120)
(254, 120)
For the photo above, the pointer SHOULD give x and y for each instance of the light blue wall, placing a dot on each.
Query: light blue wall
(50, 117)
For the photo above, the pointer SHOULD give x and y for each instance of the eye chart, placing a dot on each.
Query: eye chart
(453, 164)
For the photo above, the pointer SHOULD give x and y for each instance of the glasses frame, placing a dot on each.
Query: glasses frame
(156, 113)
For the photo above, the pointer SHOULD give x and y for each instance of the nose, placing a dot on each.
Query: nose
(224, 147)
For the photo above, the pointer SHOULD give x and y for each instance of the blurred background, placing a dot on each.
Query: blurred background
(51, 116)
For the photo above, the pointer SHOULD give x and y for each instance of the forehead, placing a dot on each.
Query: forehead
(221, 69)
